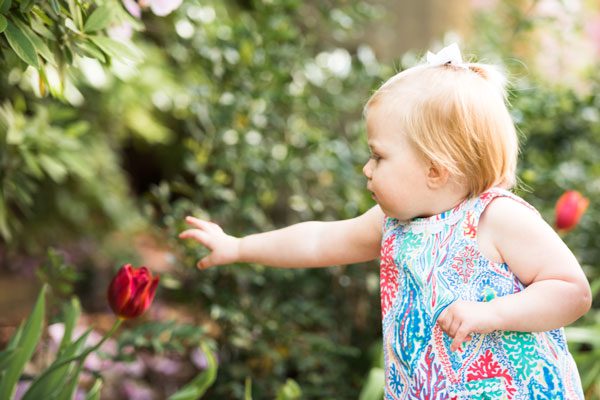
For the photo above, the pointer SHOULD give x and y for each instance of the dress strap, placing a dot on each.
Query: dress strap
(473, 215)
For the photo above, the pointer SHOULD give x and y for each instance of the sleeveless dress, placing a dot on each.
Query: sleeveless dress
(428, 263)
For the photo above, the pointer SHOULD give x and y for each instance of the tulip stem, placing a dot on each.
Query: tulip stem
(85, 353)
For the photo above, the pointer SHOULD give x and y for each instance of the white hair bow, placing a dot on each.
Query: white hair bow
(449, 54)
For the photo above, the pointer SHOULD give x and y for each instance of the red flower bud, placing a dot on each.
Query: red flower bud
(131, 291)
(569, 209)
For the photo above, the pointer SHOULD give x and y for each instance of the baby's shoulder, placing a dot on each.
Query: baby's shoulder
(508, 210)
(506, 218)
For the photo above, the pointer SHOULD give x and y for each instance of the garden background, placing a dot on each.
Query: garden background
(117, 119)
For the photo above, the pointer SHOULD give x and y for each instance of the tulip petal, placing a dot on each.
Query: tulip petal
(570, 207)
(131, 291)
(120, 289)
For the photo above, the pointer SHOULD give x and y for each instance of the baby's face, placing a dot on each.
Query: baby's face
(396, 173)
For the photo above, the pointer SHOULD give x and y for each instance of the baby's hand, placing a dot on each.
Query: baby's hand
(224, 249)
(462, 318)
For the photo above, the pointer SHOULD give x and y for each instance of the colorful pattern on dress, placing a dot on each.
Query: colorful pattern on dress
(428, 263)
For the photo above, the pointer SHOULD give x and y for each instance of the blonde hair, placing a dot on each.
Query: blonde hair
(456, 117)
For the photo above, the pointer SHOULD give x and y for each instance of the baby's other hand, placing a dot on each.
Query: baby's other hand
(224, 249)
(462, 318)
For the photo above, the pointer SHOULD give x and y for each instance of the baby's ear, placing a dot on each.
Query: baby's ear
(437, 176)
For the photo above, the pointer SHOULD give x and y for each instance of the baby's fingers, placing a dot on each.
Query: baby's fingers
(198, 235)
(461, 336)
(206, 262)
(445, 321)
(201, 224)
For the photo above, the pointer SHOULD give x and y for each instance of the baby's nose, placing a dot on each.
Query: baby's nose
(367, 169)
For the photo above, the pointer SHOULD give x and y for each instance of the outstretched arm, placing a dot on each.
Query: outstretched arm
(307, 244)
(557, 292)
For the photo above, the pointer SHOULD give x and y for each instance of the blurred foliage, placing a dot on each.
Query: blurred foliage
(248, 113)
(559, 124)
(59, 176)
(562, 152)
(270, 134)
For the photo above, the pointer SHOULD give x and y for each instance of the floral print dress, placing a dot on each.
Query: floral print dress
(428, 263)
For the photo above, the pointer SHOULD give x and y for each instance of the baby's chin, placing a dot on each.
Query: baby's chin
(399, 217)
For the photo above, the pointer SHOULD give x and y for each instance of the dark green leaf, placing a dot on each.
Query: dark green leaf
(21, 45)
(197, 387)
(3, 23)
(99, 19)
(5, 357)
(89, 49)
(5, 5)
(70, 384)
(26, 346)
(26, 6)
(39, 44)
(48, 383)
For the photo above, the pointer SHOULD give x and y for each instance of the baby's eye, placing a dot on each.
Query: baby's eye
(375, 157)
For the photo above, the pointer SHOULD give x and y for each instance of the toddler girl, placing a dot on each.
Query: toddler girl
(475, 286)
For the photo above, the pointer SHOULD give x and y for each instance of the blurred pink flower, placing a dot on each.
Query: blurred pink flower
(122, 32)
(199, 359)
(164, 365)
(133, 7)
(134, 390)
(20, 390)
(164, 7)
(592, 29)
(158, 7)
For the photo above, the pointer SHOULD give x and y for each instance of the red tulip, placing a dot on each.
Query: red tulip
(131, 291)
(569, 209)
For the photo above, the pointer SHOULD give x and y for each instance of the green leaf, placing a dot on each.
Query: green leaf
(26, 346)
(94, 393)
(70, 384)
(26, 6)
(76, 14)
(373, 388)
(40, 46)
(5, 5)
(117, 49)
(289, 391)
(3, 23)
(72, 311)
(248, 389)
(55, 6)
(21, 45)
(31, 163)
(4, 231)
(49, 383)
(55, 169)
(198, 386)
(16, 337)
(38, 26)
(5, 357)
(91, 50)
(99, 19)
(69, 23)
